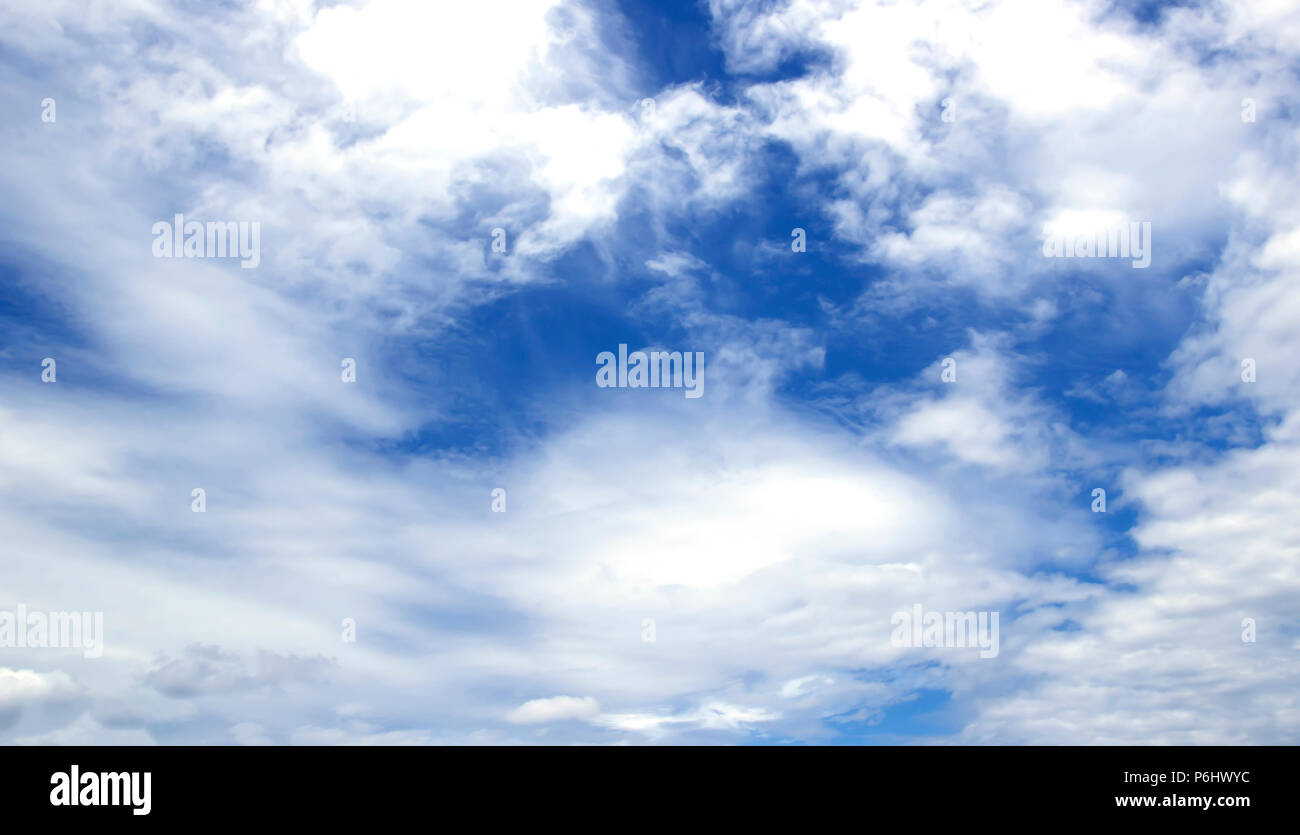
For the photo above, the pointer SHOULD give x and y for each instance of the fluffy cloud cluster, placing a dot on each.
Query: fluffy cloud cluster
(718, 570)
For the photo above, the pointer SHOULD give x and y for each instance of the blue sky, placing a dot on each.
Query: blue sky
(647, 164)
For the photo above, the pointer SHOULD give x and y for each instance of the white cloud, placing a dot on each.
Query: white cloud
(554, 709)
(1058, 109)
(1166, 663)
(770, 545)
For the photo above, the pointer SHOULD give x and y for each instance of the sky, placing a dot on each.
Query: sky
(423, 521)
